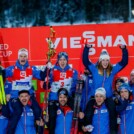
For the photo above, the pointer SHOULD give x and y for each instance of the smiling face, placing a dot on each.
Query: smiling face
(62, 62)
(63, 99)
(124, 93)
(24, 98)
(99, 99)
(105, 63)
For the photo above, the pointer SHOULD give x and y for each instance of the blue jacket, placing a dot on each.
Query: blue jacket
(3, 124)
(59, 77)
(63, 122)
(26, 124)
(127, 119)
(99, 79)
(9, 86)
(101, 121)
(86, 91)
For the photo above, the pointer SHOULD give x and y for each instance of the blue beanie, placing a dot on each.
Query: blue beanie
(63, 91)
(62, 54)
(124, 86)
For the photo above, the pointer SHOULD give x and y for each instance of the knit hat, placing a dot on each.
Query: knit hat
(104, 55)
(22, 51)
(119, 80)
(62, 54)
(62, 91)
(132, 72)
(124, 86)
(101, 91)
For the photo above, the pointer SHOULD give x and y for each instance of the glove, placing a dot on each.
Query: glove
(89, 128)
(122, 46)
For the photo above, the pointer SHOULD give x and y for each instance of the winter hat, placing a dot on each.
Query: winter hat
(124, 86)
(104, 55)
(132, 72)
(62, 54)
(119, 80)
(101, 91)
(62, 91)
(22, 51)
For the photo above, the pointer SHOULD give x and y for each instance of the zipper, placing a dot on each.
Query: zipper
(25, 130)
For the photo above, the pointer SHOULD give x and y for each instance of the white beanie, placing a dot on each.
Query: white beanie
(104, 55)
(22, 51)
(101, 91)
(132, 72)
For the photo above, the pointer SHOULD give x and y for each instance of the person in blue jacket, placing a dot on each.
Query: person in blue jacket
(99, 122)
(3, 122)
(64, 113)
(103, 72)
(18, 77)
(61, 76)
(126, 110)
(86, 93)
(131, 81)
(26, 124)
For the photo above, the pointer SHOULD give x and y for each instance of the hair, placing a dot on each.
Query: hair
(23, 91)
(108, 69)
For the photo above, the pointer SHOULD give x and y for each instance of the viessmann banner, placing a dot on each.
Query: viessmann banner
(68, 38)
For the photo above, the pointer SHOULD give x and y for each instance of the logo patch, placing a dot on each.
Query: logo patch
(23, 73)
(62, 75)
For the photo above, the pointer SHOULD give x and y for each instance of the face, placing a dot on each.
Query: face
(132, 78)
(99, 99)
(62, 62)
(117, 85)
(24, 98)
(124, 94)
(63, 100)
(105, 63)
(23, 59)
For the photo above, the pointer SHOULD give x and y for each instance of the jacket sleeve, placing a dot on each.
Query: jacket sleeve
(121, 106)
(124, 60)
(39, 74)
(112, 115)
(74, 82)
(85, 59)
(89, 112)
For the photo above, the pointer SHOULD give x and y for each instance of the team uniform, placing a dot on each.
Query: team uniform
(64, 120)
(104, 80)
(19, 77)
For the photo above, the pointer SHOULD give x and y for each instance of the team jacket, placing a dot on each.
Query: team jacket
(101, 121)
(26, 124)
(64, 121)
(104, 81)
(65, 78)
(127, 120)
(20, 77)
(3, 124)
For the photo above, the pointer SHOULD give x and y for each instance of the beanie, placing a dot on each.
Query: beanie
(124, 86)
(101, 91)
(62, 91)
(62, 54)
(104, 55)
(119, 80)
(22, 51)
(132, 72)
